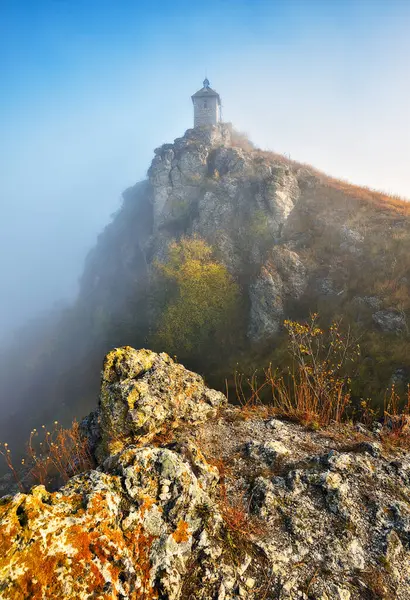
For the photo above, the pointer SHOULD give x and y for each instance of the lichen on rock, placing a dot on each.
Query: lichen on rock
(141, 390)
(191, 500)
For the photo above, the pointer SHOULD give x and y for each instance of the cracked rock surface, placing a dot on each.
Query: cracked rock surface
(193, 498)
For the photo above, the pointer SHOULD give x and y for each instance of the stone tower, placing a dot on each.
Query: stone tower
(207, 106)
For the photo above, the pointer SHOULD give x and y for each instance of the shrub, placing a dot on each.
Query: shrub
(202, 301)
(315, 390)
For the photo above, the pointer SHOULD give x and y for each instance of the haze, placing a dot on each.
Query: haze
(89, 89)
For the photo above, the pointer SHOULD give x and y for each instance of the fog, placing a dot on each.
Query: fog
(88, 94)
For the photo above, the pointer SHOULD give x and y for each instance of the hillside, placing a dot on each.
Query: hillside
(205, 260)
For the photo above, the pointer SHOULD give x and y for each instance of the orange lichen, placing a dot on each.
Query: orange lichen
(87, 546)
(181, 533)
(147, 503)
(140, 544)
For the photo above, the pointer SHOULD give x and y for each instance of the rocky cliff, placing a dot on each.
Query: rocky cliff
(236, 200)
(292, 240)
(195, 499)
(296, 240)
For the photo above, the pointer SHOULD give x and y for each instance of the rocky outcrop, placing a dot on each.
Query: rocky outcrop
(282, 278)
(192, 500)
(239, 202)
(390, 320)
(225, 195)
(141, 391)
(133, 527)
(204, 184)
(294, 241)
(128, 531)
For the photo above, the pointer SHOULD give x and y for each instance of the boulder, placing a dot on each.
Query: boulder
(141, 391)
(390, 320)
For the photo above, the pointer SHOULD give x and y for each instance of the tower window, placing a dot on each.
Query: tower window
(205, 104)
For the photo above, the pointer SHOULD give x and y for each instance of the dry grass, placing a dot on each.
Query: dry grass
(163, 437)
(233, 508)
(316, 393)
(377, 584)
(365, 194)
(237, 517)
(296, 399)
(396, 421)
(52, 457)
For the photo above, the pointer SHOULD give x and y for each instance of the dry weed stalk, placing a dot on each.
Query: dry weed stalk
(52, 457)
(6, 453)
(316, 390)
(396, 420)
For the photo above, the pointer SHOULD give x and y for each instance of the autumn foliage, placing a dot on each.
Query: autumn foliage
(201, 301)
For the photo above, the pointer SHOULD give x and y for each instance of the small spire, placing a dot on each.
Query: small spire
(206, 82)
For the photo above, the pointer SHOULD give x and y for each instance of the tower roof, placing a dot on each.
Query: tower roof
(206, 92)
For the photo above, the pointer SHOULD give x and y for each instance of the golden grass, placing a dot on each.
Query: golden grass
(378, 198)
(396, 421)
(52, 457)
(316, 393)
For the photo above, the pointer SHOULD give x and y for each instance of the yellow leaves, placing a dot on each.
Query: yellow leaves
(187, 251)
(203, 299)
(320, 371)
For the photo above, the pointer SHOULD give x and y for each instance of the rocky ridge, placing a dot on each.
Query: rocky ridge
(239, 202)
(290, 235)
(293, 240)
(194, 498)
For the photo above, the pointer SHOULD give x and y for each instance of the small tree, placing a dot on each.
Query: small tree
(202, 302)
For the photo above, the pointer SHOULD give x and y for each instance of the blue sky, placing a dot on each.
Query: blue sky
(91, 87)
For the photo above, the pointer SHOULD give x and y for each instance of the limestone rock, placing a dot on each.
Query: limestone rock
(390, 320)
(220, 507)
(281, 278)
(267, 309)
(228, 196)
(351, 240)
(141, 390)
(127, 533)
(266, 453)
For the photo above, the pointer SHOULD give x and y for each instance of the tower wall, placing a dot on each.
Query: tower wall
(206, 111)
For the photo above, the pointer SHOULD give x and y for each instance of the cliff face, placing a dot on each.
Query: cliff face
(237, 201)
(194, 498)
(293, 240)
(296, 240)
